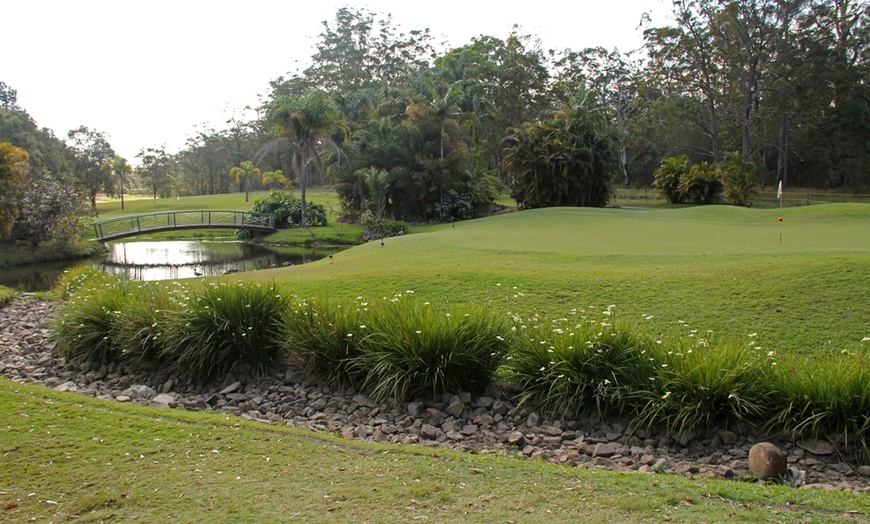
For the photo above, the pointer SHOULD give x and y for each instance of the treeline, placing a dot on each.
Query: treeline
(405, 131)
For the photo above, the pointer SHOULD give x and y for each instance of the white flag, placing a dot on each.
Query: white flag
(779, 191)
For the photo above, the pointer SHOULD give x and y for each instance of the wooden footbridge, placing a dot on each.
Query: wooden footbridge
(128, 226)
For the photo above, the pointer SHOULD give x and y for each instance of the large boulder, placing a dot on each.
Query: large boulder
(767, 461)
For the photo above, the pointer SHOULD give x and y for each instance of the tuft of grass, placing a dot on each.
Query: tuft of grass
(222, 325)
(579, 364)
(86, 327)
(829, 398)
(323, 338)
(413, 350)
(700, 384)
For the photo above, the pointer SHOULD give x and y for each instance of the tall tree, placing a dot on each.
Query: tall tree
(92, 150)
(118, 167)
(305, 125)
(243, 175)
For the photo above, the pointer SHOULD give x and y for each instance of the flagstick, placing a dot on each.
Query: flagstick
(779, 194)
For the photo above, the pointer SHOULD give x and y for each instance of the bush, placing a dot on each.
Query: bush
(698, 386)
(223, 325)
(701, 184)
(827, 398)
(287, 210)
(578, 365)
(86, 327)
(323, 338)
(668, 176)
(413, 351)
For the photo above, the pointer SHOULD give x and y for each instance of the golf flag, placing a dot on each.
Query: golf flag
(779, 191)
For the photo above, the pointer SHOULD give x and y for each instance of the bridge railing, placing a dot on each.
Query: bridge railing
(170, 220)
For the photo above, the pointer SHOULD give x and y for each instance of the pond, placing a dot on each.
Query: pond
(167, 260)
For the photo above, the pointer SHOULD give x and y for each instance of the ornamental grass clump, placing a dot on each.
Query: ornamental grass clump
(85, 329)
(219, 326)
(827, 398)
(579, 364)
(323, 338)
(145, 320)
(701, 384)
(415, 350)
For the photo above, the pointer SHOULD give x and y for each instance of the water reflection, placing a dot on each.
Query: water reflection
(168, 260)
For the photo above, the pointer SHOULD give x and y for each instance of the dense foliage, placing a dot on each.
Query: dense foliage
(287, 210)
(406, 130)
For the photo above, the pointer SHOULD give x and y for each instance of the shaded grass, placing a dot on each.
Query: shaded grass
(72, 458)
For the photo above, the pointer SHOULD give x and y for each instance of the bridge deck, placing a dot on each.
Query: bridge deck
(123, 227)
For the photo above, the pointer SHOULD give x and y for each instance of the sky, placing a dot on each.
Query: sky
(151, 73)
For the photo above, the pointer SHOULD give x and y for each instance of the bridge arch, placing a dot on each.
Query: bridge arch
(132, 225)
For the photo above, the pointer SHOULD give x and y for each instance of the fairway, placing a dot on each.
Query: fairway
(717, 268)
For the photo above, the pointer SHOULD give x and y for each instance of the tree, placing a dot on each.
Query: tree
(8, 96)
(569, 160)
(305, 125)
(118, 167)
(243, 175)
(92, 150)
(154, 170)
(668, 177)
(13, 176)
(273, 178)
(51, 207)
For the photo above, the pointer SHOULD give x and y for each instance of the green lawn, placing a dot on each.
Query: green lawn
(71, 458)
(714, 268)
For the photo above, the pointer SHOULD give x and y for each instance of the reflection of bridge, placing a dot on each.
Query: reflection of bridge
(117, 228)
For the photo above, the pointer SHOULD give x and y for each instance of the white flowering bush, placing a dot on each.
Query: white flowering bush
(584, 362)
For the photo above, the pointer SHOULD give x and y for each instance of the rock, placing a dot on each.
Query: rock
(727, 437)
(864, 471)
(817, 447)
(140, 392)
(607, 449)
(232, 388)
(533, 420)
(455, 406)
(515, 438)
(67, 386)
(123, 398)
(767, 461)
(163, 399)
(415, 408)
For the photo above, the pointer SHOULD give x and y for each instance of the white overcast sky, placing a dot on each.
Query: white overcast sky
(147, 73)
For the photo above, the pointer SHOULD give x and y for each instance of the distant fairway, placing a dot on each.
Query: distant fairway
(717, 268)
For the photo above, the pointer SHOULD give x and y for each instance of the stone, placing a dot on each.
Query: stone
(515, 438)
(67, 386)
(163, 399)
(533, 420)
(415, 409)
(455, 406)
(727, 437)
(232, 388)
(140, 391)
(864, 471)
(607, 449)
(817, 447)
(767, 461)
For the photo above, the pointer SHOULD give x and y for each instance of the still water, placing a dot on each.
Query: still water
(167, 260)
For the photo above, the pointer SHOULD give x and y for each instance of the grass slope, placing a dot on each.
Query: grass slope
(66, 457)
(709, 268)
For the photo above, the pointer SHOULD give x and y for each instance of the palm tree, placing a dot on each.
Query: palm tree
(245, 171)
(274, 178)
(119, 167)
(305, 124)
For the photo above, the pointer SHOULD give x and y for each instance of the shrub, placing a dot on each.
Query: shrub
(739, 177)
(413, 351)
(224, 325)
(699, 385)
(323, 338)
(827, 398)
(577, 365)
(72, 281)
(668, 177)
(701, 184)
(145, 321)
(86, 327)
(287, 210)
